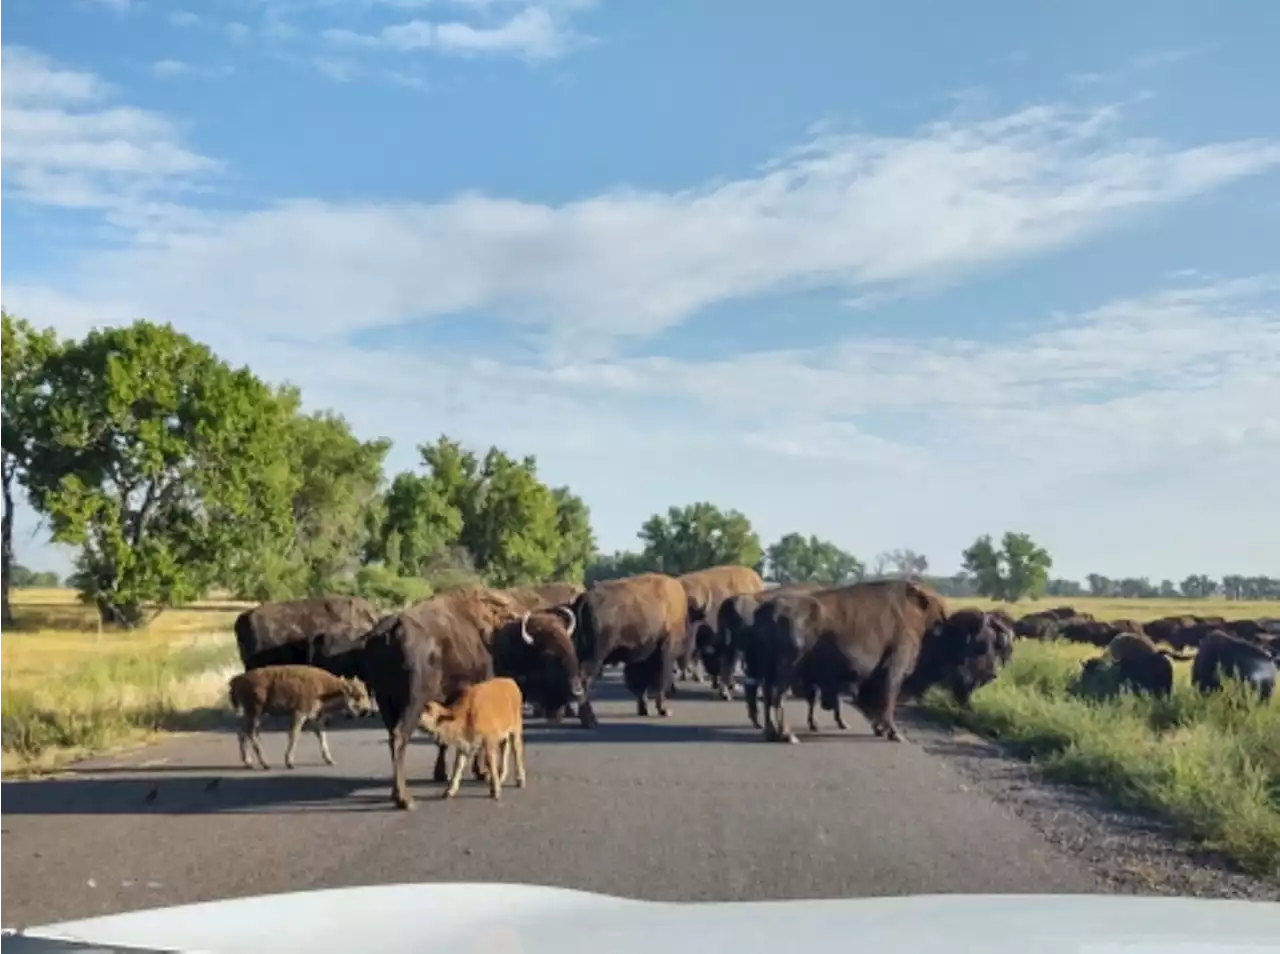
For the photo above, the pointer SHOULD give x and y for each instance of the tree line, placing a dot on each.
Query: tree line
(173, 473)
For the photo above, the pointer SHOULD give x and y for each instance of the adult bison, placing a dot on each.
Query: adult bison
(639, 621)
(705, 590)
(1220, 652)
(327, 632)
(881, 639)
(1135, 662)
(436, 649)
(722, 647)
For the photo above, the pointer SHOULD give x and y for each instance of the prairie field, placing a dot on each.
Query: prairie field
(70, 690)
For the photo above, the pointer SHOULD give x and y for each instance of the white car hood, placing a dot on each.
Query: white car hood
(524, 919)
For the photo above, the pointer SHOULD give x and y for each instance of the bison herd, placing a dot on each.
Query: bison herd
(1242, 649)
(872, 643)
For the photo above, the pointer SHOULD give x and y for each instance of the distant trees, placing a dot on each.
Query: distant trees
(22, 578)
(798, 559)
(1018, 569)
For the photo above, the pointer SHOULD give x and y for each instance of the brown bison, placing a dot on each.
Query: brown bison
(1222, 653)
(1140, 665)
(326, 632)
(486, 722)
(705, 590)
(639, 621)
(434, 650)
(882, 639)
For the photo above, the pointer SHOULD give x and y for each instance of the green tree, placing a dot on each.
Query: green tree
(160, 461)
(335, 480)
(1018, 569)
(413, 525)
(577, 541)
(614, 566)
(512, 530)
(795, 559)
(25, 351)
(22, 577)
(699, 536)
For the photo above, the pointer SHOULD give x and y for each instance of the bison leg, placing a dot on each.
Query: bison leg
(491, 749)
(811, 696)
(516, 745)
(664, 682)
(455, 779)
(898, 664)
(318, 726)
(255, 739)
(299, 719)
(775, 715)
(242, 736)
(440, 772)
(751, 693)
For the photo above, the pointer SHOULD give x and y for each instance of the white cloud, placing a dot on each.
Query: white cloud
(63, 146)
(170, 67)
(535, 32)
(862, 213)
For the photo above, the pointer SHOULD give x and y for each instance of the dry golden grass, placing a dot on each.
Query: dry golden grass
(70, 690)
(1141, 610)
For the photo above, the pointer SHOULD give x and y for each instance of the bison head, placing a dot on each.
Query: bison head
(539, 653)
(964, 652)
(356, 697)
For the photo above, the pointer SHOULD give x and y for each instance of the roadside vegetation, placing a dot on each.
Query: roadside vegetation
(71, 690)
(1208, 765)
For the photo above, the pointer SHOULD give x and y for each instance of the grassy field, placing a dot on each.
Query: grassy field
(70, 690)
(1211, 766)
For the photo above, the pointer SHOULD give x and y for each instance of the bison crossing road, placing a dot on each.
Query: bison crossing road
(620, 799)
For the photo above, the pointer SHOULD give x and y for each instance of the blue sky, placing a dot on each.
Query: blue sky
(896, 274)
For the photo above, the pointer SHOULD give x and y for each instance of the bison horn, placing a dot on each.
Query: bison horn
(568, 614)
(524, 629)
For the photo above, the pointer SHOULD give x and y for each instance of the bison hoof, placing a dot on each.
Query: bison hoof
(446, 795)
(405, 803)
(792, 739)
(664, 712)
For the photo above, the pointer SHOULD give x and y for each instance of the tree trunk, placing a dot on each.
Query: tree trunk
(6, 552)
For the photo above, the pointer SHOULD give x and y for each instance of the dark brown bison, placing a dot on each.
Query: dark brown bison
(1140, 665)
(326, 632)
(639, 621)
(433, 651)
(1040, 626)
(537, 651)
(1236, 658)
(880, 640)
(722, 647)
(705, 590)
(1128, 626)
(1089, 632)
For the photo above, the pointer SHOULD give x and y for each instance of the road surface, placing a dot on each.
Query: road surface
(694, 807)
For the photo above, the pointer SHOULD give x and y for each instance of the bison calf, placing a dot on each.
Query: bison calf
(488, 716)
(304, 692)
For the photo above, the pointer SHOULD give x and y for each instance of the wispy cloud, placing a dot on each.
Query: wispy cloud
(63, 145)
(535, 33)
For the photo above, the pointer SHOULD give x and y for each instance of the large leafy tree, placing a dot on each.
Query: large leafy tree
(513, 527)
(577, 541)
(797, 559)
(413, 525)
(698, 536)
(160, 461)
(25, 351)
(334, 481)
(1018, 569)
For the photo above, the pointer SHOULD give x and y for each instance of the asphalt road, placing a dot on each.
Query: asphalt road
(694, 807)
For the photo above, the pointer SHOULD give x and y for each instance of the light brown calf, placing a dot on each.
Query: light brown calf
(487, 716)
(304, 692)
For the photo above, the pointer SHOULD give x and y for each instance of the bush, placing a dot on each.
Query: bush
(382, 587)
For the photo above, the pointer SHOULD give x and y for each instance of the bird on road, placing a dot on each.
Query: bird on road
(213, 785)
(152, 794)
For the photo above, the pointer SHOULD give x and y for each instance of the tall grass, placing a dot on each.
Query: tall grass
(70, 691)
(1208, 764)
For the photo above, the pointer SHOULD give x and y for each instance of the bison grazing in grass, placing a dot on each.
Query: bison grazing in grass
(883, 639)
(1131, 661)
(485, 720)
(1220, 652)
(639, 621)
(705, 590)
(303, 692)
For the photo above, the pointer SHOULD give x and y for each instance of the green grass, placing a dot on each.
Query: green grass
(1210, 765)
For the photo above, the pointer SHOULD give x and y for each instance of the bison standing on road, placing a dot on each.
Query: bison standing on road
(705, 590)
(290, 632)
(725, 646)
(430, 652)
(883, 638)
(639, 621)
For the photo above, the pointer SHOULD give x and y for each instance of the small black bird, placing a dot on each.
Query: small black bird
(152, 794)
(213, 785)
